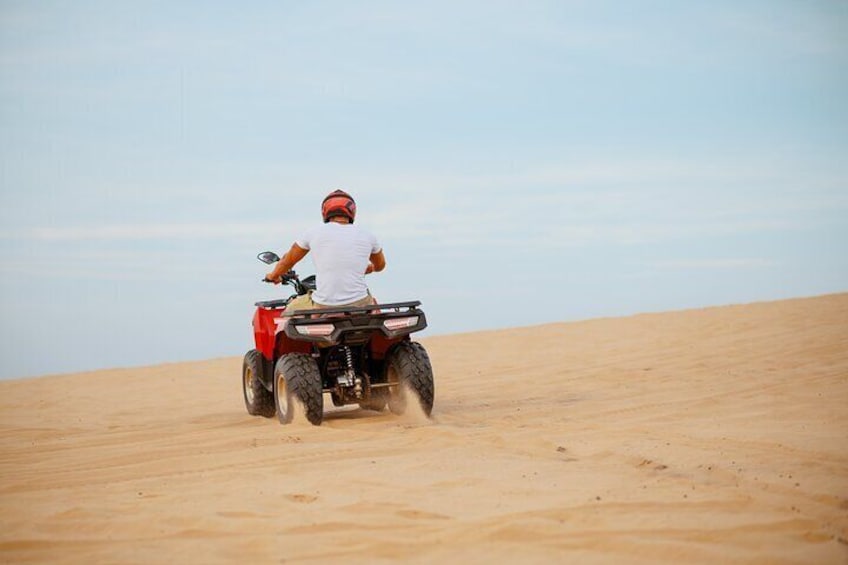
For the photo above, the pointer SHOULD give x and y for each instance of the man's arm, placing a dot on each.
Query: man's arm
(287, 263)
(377, 262)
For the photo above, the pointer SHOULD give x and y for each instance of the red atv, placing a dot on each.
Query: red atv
(361, 355)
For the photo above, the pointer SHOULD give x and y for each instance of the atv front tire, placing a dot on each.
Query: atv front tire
(408, 369)
(257, 399)
(297, 385)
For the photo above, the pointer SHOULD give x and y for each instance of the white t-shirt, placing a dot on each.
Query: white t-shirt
(341, 253)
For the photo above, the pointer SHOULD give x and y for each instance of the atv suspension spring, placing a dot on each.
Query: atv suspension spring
(348, 358)
(350, 373)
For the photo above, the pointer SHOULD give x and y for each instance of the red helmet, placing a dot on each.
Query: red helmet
(338, 203)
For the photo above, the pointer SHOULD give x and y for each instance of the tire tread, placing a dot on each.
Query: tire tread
(415, 371)
(304, 384)
(263, 400)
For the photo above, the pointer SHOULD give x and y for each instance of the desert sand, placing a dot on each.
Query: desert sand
(716, 435)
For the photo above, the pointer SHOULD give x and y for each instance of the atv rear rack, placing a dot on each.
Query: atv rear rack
(372, 309)
(351, 325)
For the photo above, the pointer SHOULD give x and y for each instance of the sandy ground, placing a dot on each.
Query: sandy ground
(717, 435)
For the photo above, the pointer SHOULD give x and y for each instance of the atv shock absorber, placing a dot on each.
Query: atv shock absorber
(350, 374)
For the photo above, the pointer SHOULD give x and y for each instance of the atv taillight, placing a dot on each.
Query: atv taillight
(320, 330)
(394, 324)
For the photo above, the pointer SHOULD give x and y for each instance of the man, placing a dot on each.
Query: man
(343, 254)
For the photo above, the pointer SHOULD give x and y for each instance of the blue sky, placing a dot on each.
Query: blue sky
(521, 162)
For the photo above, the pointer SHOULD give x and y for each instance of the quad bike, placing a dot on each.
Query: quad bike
(359, 355)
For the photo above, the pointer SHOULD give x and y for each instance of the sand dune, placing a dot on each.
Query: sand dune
(714, 435)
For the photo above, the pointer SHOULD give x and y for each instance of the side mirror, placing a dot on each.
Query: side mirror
(268, 257)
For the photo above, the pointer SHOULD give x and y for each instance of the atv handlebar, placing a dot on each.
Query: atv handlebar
(285, 279)
(300, 286)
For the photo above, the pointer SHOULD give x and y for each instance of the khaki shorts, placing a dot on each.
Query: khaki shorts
(305, 302)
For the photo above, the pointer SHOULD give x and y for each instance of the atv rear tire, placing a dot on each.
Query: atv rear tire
(408, 368)
(257, 399)
(297, 383)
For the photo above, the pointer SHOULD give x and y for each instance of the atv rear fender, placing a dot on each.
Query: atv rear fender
(270, 340)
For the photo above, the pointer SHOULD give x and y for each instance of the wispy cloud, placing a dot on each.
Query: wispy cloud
(201, 231)
(713, 264)
(617, 202)
(800, 28)
(553, 205)
(87, 263)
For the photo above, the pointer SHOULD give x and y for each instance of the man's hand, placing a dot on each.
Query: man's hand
(284, 265)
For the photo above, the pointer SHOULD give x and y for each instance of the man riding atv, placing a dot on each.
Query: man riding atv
(331, 337)
(343, 254)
